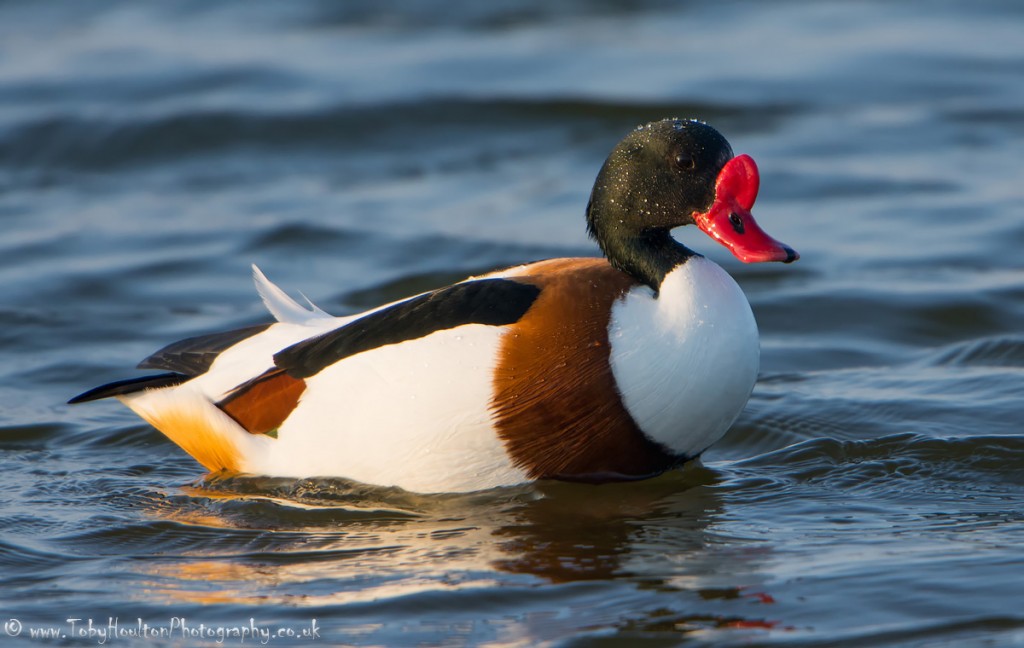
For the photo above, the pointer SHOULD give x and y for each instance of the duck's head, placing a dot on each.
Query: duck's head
(671, 173)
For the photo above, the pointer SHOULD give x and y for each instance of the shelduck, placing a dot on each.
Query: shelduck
(592, 369)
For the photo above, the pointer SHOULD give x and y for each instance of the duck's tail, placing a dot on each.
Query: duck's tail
(188, 418)
(235, 434)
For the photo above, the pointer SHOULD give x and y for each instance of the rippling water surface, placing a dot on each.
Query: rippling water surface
(871, 493)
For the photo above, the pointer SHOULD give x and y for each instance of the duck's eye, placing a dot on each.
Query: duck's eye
(685, 161)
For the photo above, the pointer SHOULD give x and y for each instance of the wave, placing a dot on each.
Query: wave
(90, 143)
(995, 351)
(898, 466)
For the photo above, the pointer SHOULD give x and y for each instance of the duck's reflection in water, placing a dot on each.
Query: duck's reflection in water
(258, 541)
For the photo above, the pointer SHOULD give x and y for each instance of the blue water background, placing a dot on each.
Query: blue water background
(870, 494)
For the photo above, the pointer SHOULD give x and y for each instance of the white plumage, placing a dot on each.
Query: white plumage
(686, 361)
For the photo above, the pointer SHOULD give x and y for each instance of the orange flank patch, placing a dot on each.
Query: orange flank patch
(199, 433)
(261, 405)
(556, 404)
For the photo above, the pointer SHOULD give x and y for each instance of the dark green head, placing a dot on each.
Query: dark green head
(667, 174)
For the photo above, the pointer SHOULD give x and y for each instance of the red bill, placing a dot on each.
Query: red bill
(730, 222)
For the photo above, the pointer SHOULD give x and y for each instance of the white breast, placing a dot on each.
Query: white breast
(686, 361)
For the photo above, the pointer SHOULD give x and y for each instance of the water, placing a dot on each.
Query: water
(869, 495)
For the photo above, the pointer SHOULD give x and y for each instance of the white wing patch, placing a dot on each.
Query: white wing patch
(281, 306)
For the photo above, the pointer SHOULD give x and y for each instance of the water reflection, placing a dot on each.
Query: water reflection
(582, 532)
(330, 542)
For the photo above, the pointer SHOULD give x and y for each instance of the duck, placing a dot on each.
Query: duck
(598, 369)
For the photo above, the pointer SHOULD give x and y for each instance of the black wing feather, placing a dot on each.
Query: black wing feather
(494, 302)
(130, 386)
(193, 356)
